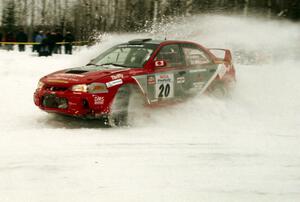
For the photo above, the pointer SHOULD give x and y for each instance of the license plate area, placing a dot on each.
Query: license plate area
(53, 101)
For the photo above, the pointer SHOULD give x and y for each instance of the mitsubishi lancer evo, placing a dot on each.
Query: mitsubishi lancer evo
(152, 71)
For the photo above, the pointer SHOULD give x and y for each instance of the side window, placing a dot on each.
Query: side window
(194, 55)
(172, 55)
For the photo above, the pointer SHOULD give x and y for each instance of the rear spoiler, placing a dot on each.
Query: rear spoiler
(221, 54)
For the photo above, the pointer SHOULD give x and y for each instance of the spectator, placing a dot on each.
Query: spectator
(58, 38)
(51, 42)
(21, 37)
(69, 39)
(9, 37)
(40, 38)
(34, 47)
(44, 49)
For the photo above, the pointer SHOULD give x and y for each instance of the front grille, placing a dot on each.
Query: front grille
(52, 101)
(56, 88)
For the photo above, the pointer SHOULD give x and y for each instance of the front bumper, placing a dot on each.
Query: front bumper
(72, 103)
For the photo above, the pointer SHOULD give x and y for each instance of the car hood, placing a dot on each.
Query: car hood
(85, 74)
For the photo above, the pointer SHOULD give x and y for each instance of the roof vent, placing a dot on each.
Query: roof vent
(138, 41)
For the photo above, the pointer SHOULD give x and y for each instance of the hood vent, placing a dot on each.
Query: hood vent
(76, 72)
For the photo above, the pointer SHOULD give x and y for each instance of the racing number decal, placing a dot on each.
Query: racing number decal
(164, 90)
(164, 87)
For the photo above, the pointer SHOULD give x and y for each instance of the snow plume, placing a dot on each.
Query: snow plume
(244, 148)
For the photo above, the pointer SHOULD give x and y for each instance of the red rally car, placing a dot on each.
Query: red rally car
(156, 72)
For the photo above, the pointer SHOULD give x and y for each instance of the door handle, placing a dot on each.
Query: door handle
(182, 73)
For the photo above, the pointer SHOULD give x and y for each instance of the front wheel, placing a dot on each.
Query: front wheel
(126, 107)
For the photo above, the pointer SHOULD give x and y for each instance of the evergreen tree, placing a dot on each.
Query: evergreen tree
(8, 17)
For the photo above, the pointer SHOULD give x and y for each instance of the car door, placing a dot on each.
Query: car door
(162, 85)
(201, 69)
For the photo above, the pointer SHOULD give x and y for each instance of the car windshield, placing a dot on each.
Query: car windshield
(126, 55)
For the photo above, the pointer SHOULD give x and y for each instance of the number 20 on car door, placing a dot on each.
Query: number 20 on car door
(164, 87)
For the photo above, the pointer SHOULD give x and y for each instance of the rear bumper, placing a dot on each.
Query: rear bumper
(73, 103)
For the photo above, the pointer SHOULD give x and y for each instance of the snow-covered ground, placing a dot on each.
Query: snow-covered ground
(245, 148)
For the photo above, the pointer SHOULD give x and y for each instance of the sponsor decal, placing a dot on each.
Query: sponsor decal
(163, 78)
(151, 80)
(98, 100)
(114, 83)
(117, 76)
(180, 79)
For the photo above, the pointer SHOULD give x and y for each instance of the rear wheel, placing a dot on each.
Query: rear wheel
(220, 89)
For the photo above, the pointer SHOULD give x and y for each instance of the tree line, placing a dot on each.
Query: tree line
(86, 17)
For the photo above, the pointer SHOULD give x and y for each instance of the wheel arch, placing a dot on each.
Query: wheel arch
(139, 84)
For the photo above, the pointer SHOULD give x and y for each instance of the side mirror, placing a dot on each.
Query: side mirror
(160, 63)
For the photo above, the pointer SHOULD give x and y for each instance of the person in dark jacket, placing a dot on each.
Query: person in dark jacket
(58, 38)
(34, 47)
(51, 42)
(69, 39)
(21, 37)
(9, 37)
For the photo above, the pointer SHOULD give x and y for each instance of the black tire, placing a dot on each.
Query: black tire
(119, 108)
(126, 107)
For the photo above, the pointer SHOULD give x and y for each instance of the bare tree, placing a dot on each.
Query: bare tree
(85, 17)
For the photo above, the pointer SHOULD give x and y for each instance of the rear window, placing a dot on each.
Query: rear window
(194, 55)
(172, 55)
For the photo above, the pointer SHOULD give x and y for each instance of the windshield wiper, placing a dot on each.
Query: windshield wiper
(114, 64)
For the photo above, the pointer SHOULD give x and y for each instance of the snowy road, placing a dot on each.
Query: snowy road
(245, 148)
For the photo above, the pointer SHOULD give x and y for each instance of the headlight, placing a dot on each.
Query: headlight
(97, 88)
(40, 85)
(91, 88)
(79, 88)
